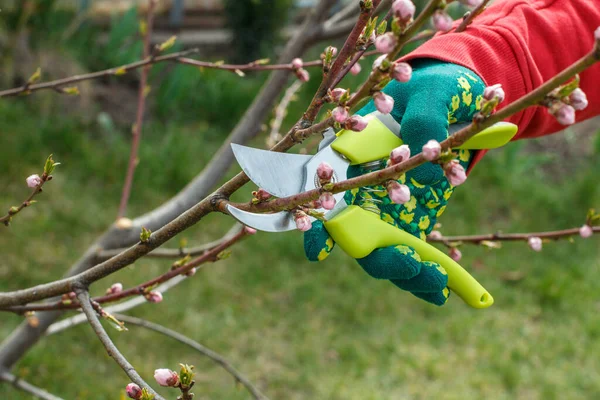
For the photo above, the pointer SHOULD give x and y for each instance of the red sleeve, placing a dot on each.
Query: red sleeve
(521, 44)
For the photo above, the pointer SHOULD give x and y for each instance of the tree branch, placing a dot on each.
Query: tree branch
(27, 387)
(470, 16)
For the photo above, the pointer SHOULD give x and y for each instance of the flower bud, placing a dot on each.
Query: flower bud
(432, 150)
(297, 63)
(154, 297)
(249, 231)
(597, 33)
(337, 93)
(385, 43)
(401, 72)
(435, 235)
(302, 75)
(33, 180)
(325, 171)
(262, 195)
(586, 231)
(398, 193)
(399, 154)
(331, 49)
(471, 3)
(491, 92)
(327, 200)
(442, 21)
(379, 60)
(565, 114)
(578, 99)
(455, 254)
(191, 272)
(133, 391)
(404, 9)
(115, 288)
(340, 114)
(535, 243)
(302, 221)
(455, 173)
(355, 70)
(356, 123)
(383, 102)
(166, 377)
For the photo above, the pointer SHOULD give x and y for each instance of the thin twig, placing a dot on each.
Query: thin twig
(27, 387)
(84, 299)
(25, 203)
(468, 19)
(219, 359)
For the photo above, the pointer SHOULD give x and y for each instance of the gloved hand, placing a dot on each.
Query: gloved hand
(437, 95)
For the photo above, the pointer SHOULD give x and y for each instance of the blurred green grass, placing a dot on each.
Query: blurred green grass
(296, 329)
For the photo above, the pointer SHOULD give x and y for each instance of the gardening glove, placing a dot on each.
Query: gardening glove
(438, 94)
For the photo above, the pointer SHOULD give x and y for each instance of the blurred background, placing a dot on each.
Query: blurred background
(298, 330)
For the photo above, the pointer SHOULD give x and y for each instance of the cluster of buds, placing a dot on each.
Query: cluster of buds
(442, 22)
(68, 298)
(492, 96)
(260, 195)
(341, 115)
(325, 175)
(327, 57)
(565, 100)
(397, 192)
(300, 72)
(115, 288)
(154, 296)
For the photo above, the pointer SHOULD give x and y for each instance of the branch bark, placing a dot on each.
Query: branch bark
(27, 387)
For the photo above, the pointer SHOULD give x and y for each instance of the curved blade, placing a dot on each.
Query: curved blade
(277, 222)
(280, 174)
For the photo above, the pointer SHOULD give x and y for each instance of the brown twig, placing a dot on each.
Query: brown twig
(27, 387)
(12, 211)
(468, 19)
(112, 350)
(219, 359)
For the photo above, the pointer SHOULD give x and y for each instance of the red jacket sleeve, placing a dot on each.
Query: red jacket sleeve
(521, 44)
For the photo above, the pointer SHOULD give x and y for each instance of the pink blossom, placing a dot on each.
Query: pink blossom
(386, 43)
(115, 288)
(435, 235)
(337, 93)
(133, 391)
(491, 92)
(302, 75)
(404, 9)
(586, 231)
(455, 173)
(471, 3)
(331, 49)
(597, 33)
(249, 231)
(578, 99)
(191, 272)
(432, 150)
(383, 102)
(565, 114)
(327, 201)
(535, 243)
(356, 123)
(455, 254)
(340, 114)
(302, 221)
(442, 21)
(297, 63)
(166, 377)
(33, 180)
(154, 297)
(355, 70)
(401, 72)
(325, 171)
(399, 154)
(398, 193)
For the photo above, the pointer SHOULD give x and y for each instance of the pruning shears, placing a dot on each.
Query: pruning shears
(358, 231)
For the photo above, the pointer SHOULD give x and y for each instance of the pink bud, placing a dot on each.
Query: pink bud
(431, 150)
(191, 272)
(166, 377)
(578, 99)
(340, 114)
(471, 3)
(383, 102)
(297, 63)
(249, 231)
(302, 75)
(332, 49)
(324, 171)
(404, 9)
(455, 173)
(586, 231)
(115, 288)
(133, 391)
(442, 21)
(154, 297)
(398, 193)
(337, 93)
(455, 254)
(327, 200)
(535, 243)
(379, 60)
(435, 235)
(302, 221)
(262, 195)
(355, 70)
(490, 92)
(597, 33)
(401, 72)
(399, 154)
(356, 123)
(386, 43)
(34, 180)
(565, 114)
